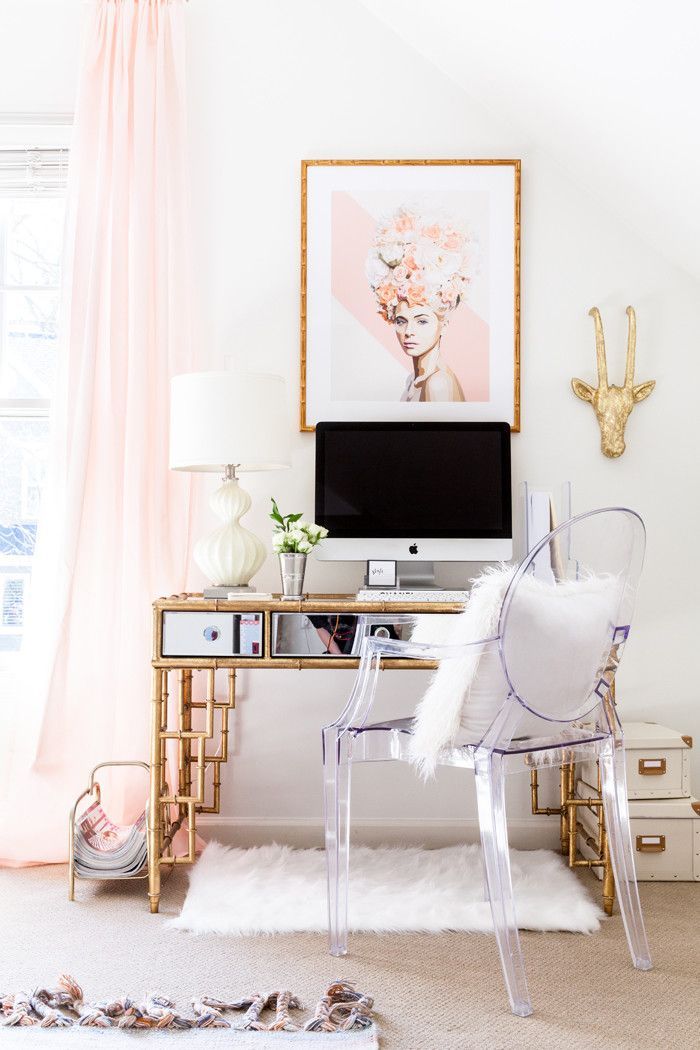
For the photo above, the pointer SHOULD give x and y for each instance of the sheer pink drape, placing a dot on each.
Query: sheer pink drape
(115, 521)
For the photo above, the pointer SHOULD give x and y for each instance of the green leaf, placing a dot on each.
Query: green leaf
(293, 517)
(276, 516)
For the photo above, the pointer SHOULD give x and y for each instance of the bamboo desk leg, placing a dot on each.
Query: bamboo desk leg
(608, 877)
(570, 828)
(154, 815)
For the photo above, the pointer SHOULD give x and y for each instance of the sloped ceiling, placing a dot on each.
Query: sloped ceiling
(610, 89)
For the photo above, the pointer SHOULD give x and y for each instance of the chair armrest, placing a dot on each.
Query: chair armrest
(365, 622)
(423, 650)
(362, 695)
(387, 617)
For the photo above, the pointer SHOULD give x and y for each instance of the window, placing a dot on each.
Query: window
(32, 200)
(13, 602)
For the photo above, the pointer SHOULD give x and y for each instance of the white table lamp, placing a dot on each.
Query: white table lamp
(228, 422)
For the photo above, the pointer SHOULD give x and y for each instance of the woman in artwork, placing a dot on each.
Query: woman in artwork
(419, 269)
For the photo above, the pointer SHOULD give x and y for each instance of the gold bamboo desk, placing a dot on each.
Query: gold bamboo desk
(572, 830)
(184, 728)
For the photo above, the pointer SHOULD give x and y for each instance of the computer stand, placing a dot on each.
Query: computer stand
(415, 576)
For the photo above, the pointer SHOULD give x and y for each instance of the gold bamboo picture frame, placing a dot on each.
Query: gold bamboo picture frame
(410, 291)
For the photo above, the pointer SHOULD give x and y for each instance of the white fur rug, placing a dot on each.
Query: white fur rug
(275, 889)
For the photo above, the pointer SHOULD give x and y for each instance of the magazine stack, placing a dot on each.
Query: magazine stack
(104, 850)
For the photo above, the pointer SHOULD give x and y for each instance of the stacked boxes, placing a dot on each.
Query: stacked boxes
(664, 817)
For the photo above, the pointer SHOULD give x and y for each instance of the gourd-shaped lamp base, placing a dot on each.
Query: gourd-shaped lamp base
(230, 555)
(227, 422)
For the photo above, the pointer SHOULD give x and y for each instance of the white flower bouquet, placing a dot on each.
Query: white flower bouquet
(291, 535)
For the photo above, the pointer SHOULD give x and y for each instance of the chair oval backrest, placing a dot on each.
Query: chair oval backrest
(568, 610)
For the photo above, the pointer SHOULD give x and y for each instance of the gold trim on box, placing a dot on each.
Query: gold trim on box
(305, 164)
(652, 771)
(659, 846)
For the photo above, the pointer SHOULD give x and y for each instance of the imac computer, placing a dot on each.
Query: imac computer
(414, 493)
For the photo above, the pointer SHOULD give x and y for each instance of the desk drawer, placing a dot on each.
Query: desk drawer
(212, 634)
(323, 634)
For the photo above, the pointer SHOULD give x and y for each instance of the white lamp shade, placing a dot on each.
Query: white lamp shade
(222, 418)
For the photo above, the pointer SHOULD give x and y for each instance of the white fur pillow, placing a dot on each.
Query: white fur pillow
(466, 693)
(448, 704)
(557, 640)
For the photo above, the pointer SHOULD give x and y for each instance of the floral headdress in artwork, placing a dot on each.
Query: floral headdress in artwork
(422, 260)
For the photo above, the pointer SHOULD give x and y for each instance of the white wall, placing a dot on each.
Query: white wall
(281, 82)
(39, 53)
(273, 82)
(609, 91)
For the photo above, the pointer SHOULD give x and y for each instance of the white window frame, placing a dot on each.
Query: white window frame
(46, 134)
(32, 131)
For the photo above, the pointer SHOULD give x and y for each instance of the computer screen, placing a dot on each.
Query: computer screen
(407, 482)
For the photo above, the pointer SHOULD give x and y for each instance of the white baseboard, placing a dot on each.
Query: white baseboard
(525, 833)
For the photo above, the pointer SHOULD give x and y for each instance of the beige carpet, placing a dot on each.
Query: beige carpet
(433, 991)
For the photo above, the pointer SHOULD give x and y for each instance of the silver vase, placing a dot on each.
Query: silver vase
(292, 569)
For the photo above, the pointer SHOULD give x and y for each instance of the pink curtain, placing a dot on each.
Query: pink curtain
(114, 531)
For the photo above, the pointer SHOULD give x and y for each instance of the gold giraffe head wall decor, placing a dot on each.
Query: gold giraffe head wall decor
(613, 404)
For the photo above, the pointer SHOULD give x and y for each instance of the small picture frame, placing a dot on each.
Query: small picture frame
(381, 573)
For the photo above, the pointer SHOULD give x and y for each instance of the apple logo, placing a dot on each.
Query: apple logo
(413, 549)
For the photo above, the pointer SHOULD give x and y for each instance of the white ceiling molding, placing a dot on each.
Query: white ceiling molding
(610, 91)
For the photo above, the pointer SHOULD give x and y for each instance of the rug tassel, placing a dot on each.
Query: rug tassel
(220, 1005)
(49, 1016)
(17, 1011)
(125, 1011)
(283, 1003)
(251, 1020)
(160, 1010)
(88, 1016)
(351, 1009)
(208, 1016)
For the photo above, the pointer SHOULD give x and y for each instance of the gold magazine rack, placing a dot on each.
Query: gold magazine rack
(94, 791)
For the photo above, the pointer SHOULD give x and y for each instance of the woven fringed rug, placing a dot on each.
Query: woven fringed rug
(113, 1039)
(62, 1017)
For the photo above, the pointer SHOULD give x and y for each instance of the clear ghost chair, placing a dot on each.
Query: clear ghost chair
(550, 666)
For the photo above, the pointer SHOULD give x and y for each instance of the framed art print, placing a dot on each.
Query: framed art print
(410, 291)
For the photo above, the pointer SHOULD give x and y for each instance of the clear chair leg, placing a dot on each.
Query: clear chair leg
(336, 774)
(614, 788)
(490, 794)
